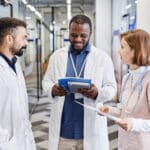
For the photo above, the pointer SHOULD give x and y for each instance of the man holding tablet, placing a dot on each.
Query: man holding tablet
(71, 126)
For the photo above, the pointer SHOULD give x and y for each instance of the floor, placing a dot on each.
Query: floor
(40, 109)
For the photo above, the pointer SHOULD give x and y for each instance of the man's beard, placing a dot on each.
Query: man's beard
(20, 52)
(78, 50)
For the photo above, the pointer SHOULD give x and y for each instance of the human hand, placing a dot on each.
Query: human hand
(125, 123)
(58, 91)
(104, 109)
(90, 93)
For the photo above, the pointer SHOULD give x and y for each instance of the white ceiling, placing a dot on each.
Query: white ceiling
(57, 3)
(60, 8)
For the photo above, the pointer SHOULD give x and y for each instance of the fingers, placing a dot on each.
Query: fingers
(90, 93)
(123, 125)
(58, 91)
(104, 109)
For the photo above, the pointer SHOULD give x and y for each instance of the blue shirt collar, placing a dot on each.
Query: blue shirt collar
(11, 63)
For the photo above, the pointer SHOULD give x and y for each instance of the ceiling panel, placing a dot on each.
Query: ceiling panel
(57, 3)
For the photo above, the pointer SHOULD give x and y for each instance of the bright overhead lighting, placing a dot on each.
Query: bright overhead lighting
(27, 18)
(68, 1)
(69, 12)
(132, 17)
(31, 8)
(38, 14)
(68, 9)
(64, 22)
(136, 1)
(128, 6)
(24, 1)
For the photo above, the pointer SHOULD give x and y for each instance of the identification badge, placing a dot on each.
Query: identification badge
(78, 96)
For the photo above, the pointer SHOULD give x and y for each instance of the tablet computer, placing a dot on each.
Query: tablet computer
(75, 86)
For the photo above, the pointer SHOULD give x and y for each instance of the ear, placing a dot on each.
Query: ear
(9, 39)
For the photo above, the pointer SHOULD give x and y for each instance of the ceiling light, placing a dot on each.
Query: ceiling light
(128, 6)
(24, 1)
(31, 8)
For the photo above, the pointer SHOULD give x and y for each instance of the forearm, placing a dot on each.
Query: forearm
(140, 125)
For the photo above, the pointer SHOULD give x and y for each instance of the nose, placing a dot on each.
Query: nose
(78, 38)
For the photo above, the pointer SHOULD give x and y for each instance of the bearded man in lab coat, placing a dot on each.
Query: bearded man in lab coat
(15, 128)
(71, 126)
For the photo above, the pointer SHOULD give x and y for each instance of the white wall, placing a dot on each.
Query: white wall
(143, 15)
(103, 25)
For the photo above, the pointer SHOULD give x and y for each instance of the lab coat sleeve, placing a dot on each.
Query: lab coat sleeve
(108, 88)
(49, 78)
(140, 125)
(4, 135)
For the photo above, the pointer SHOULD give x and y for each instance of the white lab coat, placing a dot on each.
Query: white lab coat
(99, 68)
(15, 128)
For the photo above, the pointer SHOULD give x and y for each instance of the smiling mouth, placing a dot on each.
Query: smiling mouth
(78, 45)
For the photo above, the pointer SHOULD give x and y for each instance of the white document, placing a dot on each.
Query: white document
(99, 112)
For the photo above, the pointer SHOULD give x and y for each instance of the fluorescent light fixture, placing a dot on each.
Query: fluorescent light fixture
(27, 18)
(68, 9)
(24, 1)
(51, 27)
(31, 8)
(64, 22)
(68, 1)
(69, 12)
(132, 17)
(128, 6)
(7, 1)
(38, 14)
(136, 1)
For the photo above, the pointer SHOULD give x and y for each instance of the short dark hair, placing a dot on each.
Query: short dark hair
(81, 19)
(7, 26)
(139, 41)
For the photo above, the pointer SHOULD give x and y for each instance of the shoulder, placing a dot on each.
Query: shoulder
(59, 55)
(61, 50)
(99, 52)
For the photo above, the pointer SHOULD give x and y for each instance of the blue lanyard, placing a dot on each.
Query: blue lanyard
(139, 82)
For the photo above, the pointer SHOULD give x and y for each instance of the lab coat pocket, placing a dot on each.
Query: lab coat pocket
(10, 145)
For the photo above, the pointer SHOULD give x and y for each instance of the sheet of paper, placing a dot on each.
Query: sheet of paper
(99, 112)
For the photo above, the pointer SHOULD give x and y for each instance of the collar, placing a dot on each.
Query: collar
(139, 70)
(11, 63)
